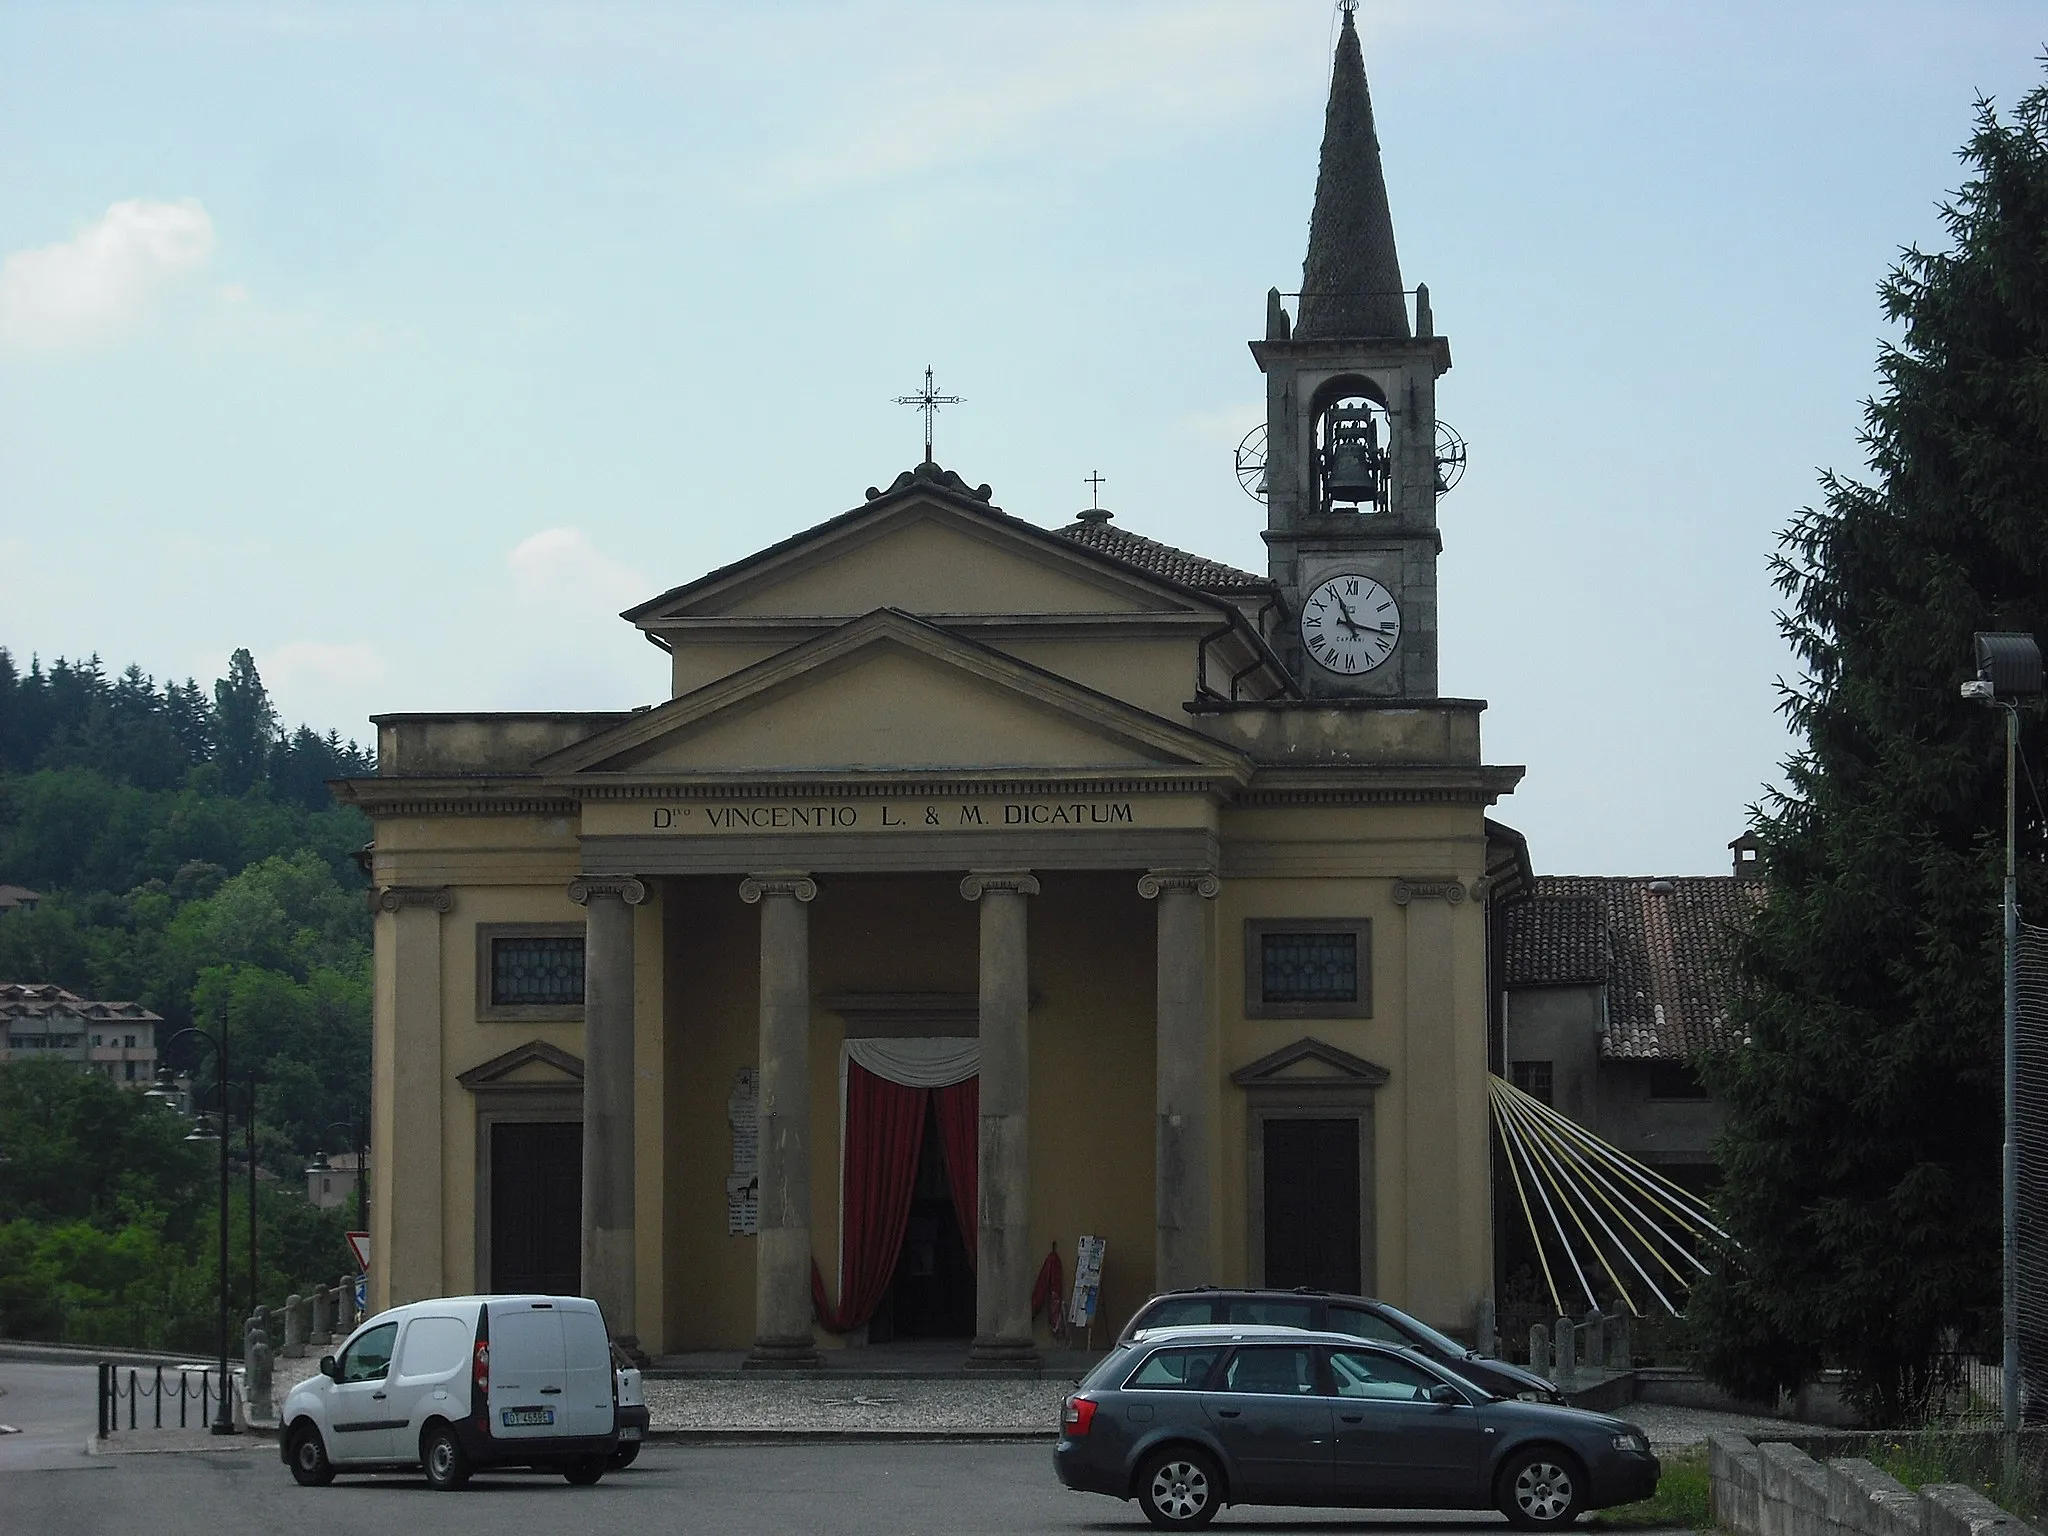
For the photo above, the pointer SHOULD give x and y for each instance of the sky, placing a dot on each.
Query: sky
(406, 345)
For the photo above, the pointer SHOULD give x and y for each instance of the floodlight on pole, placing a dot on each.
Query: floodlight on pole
(2009, 673)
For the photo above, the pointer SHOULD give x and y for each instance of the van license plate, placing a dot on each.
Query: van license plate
(630, 1432)
(515, 1417)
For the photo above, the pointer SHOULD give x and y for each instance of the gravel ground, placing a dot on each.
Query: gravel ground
(851, 1403)
(1016, 1406)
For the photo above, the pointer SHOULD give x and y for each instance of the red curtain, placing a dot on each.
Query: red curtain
(959, 1111)
(884, 1132)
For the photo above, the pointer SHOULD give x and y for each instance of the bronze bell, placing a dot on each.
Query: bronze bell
(1355, 466)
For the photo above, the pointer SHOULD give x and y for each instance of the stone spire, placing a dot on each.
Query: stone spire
(1351, 282)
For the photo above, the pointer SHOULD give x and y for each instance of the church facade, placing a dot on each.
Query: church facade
(980, 885)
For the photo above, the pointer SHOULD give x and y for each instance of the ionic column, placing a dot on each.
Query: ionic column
(1185, 1084)
(406, 1238)
(782, 1250)
(1003, 1272)
(608, 1184)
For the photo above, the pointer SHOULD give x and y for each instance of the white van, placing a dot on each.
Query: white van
(458, 1384)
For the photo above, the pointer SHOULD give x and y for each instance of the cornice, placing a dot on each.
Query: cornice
(952, 782)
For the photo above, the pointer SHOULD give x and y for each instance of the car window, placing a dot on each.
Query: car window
(1366, 1373)
(434, 1346)
(1283, 1314)
(369, 1357)
(1361, 1324)
(1179, 1312)
(1416, 1328)
(1273, 1369)
(1111, 1368)
(1175, 1369)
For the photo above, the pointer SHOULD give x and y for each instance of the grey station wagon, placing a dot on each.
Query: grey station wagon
(1188, 1420)
(1359, 1316)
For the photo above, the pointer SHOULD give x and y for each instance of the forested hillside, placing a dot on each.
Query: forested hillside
(190, 859)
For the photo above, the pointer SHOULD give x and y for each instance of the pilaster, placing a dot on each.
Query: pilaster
(1184, 1145)
(610, 1263)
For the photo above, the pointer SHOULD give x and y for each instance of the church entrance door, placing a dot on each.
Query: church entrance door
(1312, 1204)
(537, 1207)
(931, 1295)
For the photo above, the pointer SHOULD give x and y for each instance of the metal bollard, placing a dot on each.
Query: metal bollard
(106, 1380)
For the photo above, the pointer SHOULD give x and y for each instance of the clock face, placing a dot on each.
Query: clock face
(1350, 624)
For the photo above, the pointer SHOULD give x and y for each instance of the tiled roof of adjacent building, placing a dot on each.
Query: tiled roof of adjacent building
(36, 1000)
(1197, 571)
(18, 896)
(1662, 946)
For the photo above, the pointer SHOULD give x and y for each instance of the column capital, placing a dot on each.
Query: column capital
(1023, 882)
(1406, 891)
(1202, 882)
(754, 887)
(393, 898)
(629, 890)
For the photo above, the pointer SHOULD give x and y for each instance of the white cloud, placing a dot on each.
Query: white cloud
(324, 664)
(105, 279)
(561, 569)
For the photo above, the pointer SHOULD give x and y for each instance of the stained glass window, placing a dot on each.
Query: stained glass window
(1309, 967)
(547, 971)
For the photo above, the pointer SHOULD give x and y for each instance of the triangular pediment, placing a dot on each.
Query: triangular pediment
(1310, 1063)
(535, 1064)
(925, 550)
(889, 692)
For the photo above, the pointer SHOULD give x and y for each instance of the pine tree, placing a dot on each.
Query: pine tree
(244, 723)
(1862, 1148)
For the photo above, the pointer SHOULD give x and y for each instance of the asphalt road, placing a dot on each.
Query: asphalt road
(50, 1487)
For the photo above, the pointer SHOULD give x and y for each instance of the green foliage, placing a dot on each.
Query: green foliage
(190, 859)
(1861, 1152)
(2018, 1486)
(1680, 1502)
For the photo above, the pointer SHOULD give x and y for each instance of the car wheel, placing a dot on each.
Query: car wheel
(446, 1462)
(1541, 1490)
(584, 1473)
(310, 1466)
(627, 1453)
(1179, 1489)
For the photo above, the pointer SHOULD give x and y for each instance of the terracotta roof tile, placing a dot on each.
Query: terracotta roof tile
(40, 999)
(1197, 571)
(1668, 946)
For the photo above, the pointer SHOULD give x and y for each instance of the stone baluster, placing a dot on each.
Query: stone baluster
(257, 1407)
(322, 1325)
(1621, 1355)
(1484, 1339)
(1539, 1349)
(345, 1314)
(1565, 1336)
(1593, 1346)
(294, 1327)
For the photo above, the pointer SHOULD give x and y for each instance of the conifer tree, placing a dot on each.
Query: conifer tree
(1862, 1147)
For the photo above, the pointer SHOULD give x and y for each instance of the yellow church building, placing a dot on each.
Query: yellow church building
(980, 885)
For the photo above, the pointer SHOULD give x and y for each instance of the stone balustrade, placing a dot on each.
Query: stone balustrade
(304, 1326)
(1600, 1341)
(1778, 1490)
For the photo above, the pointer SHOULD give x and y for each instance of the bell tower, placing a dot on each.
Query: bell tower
(1352, 462)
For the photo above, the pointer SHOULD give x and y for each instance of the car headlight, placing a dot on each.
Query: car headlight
(1630, 1440)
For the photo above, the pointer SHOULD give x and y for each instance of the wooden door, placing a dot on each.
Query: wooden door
(1312, 1204)
(537, 1207)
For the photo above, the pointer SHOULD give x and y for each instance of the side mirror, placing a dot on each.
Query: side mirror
(1443, 1392)
(329, 1369)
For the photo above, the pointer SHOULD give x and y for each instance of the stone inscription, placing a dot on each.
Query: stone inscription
(743, 1184)
(892, 816)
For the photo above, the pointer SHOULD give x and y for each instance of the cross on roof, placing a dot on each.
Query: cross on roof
(1094, 482)
(929, 400)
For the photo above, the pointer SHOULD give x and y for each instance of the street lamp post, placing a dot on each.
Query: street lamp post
(358, 1136)
(2008, 673)
(223, 1416)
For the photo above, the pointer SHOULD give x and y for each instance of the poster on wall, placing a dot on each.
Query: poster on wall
(743, 1184)
(1087, 1281)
